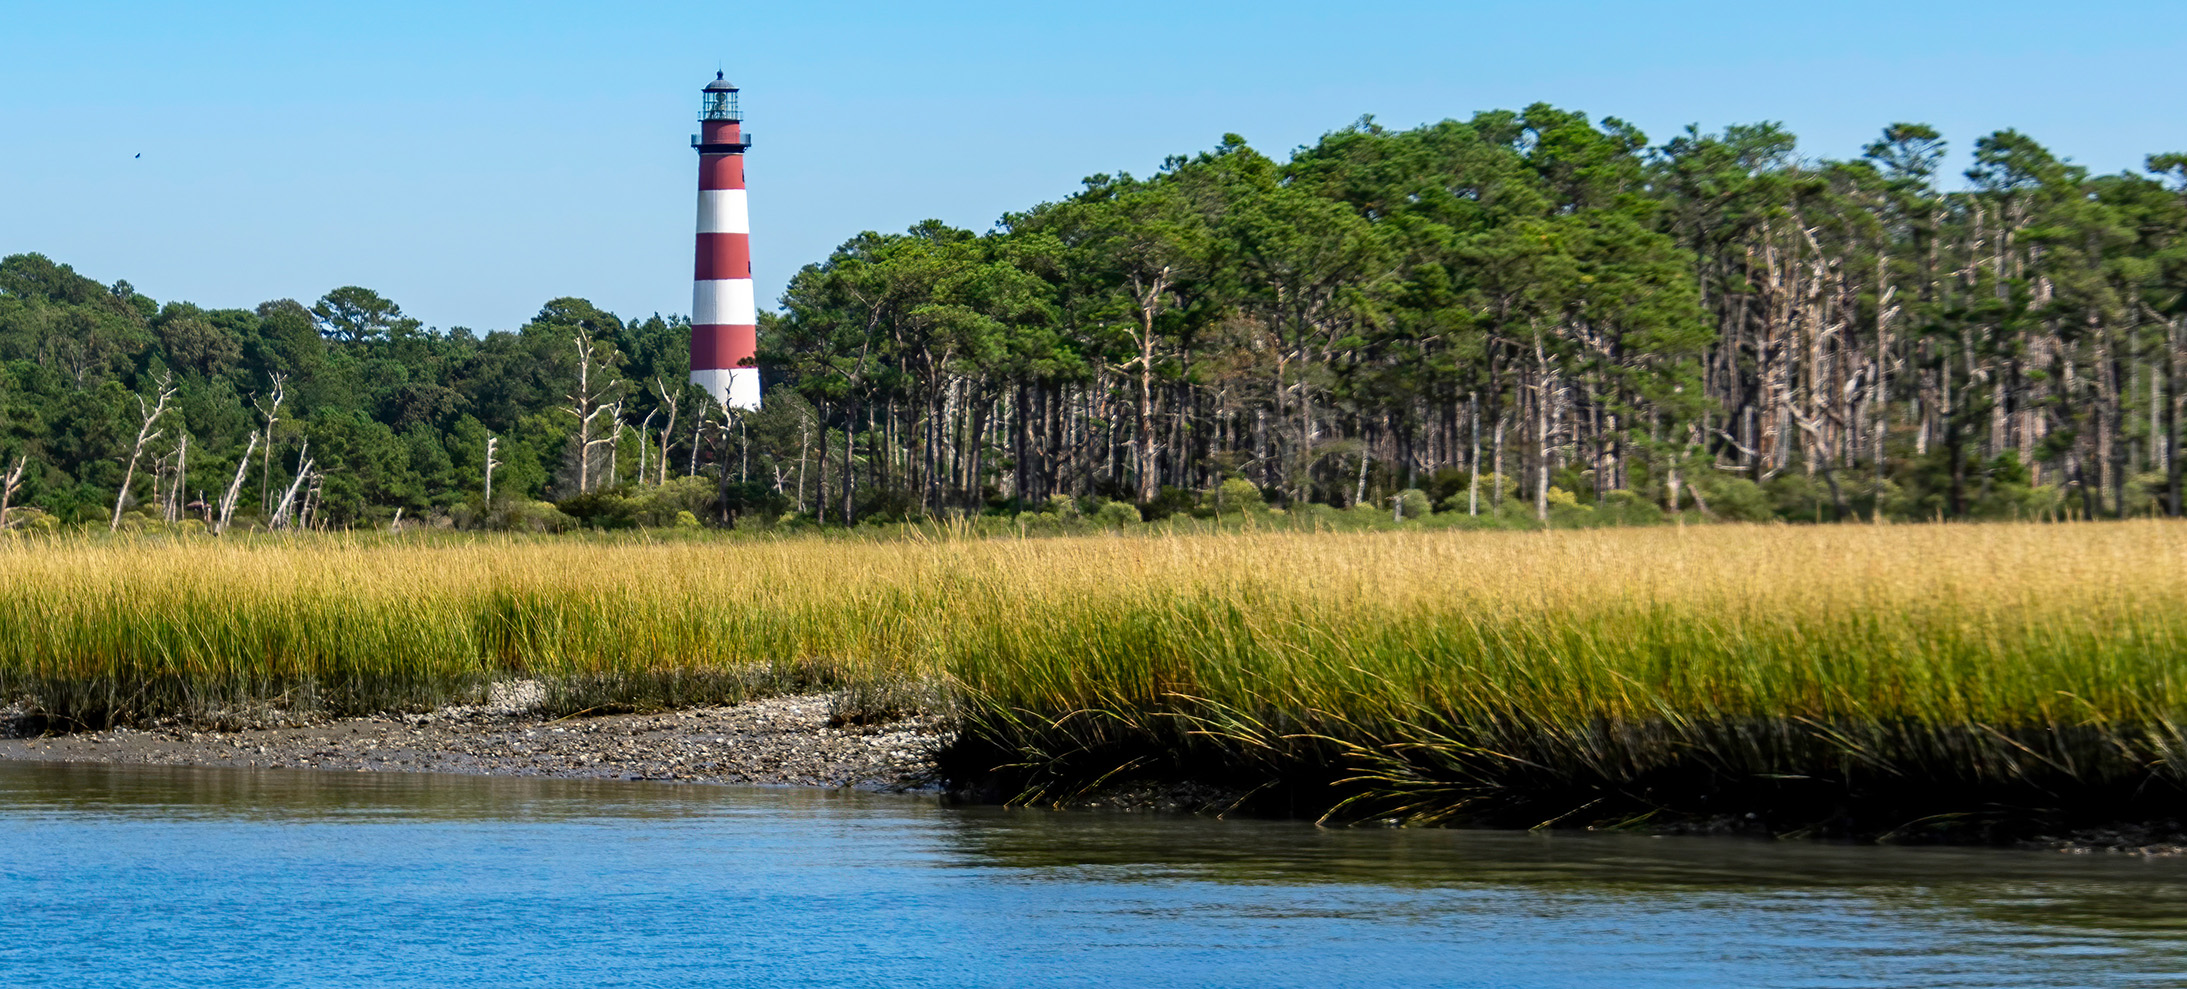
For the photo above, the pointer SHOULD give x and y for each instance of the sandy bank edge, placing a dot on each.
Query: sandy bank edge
(775, 741)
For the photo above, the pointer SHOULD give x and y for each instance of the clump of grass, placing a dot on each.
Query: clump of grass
(1841, 679)
(95, 632)
(1825, 674)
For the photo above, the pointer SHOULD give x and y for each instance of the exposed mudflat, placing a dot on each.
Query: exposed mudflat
(779, 740)
(789, 740)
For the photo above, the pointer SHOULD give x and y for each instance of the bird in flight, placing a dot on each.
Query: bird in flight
(140, 154)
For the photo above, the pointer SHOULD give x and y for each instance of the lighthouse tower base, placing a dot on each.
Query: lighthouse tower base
(735, 387)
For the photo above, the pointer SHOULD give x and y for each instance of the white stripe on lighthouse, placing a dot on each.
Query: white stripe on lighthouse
(721, 211)
(744, 388)
(736, 386)
(714, 379)
(723, 302)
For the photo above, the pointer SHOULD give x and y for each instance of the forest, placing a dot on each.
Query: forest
(1527, 317)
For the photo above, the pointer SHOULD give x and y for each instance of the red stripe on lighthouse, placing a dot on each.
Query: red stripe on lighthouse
(721, 171)
(724, 256)
(723, 346)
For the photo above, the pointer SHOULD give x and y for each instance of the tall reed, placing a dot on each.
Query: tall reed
(1424, 676)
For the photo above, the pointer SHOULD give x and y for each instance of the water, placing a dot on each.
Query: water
(190, 877)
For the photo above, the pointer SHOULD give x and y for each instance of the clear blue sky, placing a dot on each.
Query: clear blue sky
(471, 161)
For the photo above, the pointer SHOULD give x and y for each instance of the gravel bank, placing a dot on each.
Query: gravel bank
(780, 740)
(777, 741)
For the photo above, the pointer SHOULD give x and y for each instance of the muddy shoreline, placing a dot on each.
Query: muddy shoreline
(787, 740)
(791, 740)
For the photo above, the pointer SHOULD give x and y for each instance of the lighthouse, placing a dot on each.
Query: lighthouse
(724, 322)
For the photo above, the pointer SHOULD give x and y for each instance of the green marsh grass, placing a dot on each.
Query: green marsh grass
(1837, 676)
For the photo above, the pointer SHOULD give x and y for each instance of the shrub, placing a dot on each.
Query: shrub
(532, 516)
(1116, 515)
(1735, 499)
(1457, 501)
(1446, 483)
(1412, 503)
(22, 519)
(1798, 496)
(597, 509)
(1171, 501)
(1622, 507)
(1235, 495)
(874, 504)
(1572, 515)
(667, 504)
(1364, 515)
(1039, 524)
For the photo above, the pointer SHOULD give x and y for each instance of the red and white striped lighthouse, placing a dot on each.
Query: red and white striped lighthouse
(724, 323)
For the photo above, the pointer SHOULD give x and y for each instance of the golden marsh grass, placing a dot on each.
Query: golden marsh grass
(1424, 675)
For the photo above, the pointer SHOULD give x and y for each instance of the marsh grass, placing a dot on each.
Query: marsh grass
(1841, 678)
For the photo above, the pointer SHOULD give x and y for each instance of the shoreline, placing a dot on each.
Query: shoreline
(782, 740)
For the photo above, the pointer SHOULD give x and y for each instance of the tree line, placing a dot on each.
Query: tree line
(1515, 315)
(117, 410)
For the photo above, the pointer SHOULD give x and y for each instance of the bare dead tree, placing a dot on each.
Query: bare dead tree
(281, 514)
(235, 487)
(615, 448)
(1473, 466)
(588, 403)
(149, 414)
(804, 443)
(313, 496)
(270, 408)
(159, 483)
(491, 463)
(668, 429)
(721, 487)
(698, 433)
(177, 490)
(8, 485)
(645, 432)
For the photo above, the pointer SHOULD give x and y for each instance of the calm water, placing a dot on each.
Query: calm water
(237, 878)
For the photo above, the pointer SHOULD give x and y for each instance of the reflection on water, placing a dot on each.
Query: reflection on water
(193, 877)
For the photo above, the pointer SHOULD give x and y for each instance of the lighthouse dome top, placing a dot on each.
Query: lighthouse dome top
(718, 101)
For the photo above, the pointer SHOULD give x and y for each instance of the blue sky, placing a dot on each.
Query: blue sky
(472, 161)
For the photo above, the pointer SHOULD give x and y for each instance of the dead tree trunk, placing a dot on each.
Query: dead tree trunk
(8, 486)
(2172, 346)
(149, 415)
(178, 492)
(272, 411)
(1473, 465)
(235, 487)
(281, 514)
(615, 447)
(487, 498)
(587, 403)
(668, 429)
